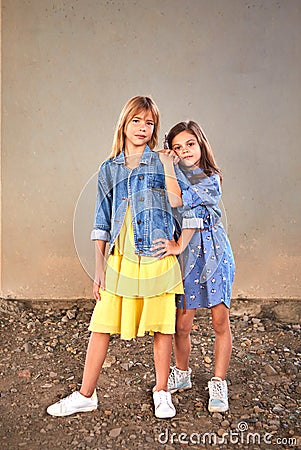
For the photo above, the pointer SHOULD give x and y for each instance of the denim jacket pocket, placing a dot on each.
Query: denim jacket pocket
(156, 182)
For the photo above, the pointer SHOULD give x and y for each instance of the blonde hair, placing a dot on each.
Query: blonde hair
(134, 106)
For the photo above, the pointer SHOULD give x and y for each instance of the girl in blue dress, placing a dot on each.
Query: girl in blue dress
(205, 255)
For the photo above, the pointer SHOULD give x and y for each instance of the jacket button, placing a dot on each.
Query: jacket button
(141, 199)
(138, 221)
(139, 239)
(141, 177)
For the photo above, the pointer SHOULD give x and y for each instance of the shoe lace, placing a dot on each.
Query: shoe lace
(178, 375)
(163, 397)
(68, 400)
(182, 375)
(217, 390)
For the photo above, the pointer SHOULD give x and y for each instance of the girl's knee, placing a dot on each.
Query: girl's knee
(184, 322)
(221, 327)
(183, 329)
(221, 322)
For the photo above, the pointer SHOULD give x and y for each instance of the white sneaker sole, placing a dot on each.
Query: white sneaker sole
(86, 409)
(217, 408)
(172, 391)
(165, 416)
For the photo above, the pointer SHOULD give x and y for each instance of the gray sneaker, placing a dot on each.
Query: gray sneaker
(218, 395)
(179, 379)
(72, 404)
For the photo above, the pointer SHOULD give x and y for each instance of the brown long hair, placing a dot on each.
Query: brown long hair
(134, 106)
(207, 161)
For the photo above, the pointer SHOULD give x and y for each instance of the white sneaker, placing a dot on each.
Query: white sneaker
(179, 379)
(218, 395)
(72, 404)
(164, 408)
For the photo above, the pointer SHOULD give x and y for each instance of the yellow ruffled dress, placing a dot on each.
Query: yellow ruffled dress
(140, 291)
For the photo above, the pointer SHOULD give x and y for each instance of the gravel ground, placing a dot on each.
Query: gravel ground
(43, 351)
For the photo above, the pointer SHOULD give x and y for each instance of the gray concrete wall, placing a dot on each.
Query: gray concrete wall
(67, 69)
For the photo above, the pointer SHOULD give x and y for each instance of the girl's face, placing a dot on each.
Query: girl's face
(139, 130)
(187, 148)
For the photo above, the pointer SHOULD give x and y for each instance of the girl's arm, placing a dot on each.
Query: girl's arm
(99, 278)
(103, 208)
(172, 185)
(102, 223)
(185, 237)
(166, 247)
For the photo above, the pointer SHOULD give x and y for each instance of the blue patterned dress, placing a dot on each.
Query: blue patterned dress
(207, 263)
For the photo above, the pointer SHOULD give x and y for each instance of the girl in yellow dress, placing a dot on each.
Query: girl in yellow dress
(134, 291)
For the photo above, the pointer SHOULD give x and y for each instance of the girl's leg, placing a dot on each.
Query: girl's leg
(223, 339)
(182, 344)
(96, 354)
(162, 357)
(164, 408)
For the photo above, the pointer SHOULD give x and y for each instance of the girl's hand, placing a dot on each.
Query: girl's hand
(97, 285)
(165, 247)
(168, 156)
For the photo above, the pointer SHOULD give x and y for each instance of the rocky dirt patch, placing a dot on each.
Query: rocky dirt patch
(42, 358)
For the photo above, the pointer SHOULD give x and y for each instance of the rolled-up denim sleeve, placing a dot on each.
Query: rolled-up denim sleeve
(103, 209)
(190, 218)
(192, 222)
(100, 235)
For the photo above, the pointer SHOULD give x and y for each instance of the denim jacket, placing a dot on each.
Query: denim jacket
(143, 189)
